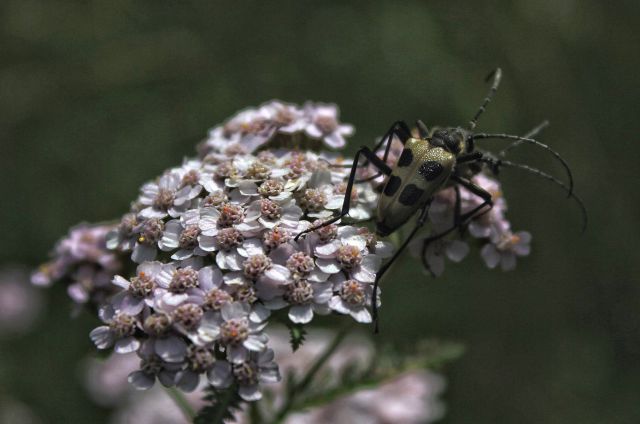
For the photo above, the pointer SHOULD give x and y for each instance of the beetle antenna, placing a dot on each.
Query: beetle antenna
(495, 164)
(530, 141)
(496, 74)
(531, 134)
(422, 129)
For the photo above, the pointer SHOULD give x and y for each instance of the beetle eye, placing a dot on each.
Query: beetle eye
(450, 140)
(452, 144)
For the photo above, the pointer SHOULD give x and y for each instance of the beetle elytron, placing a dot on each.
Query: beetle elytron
(438, 158)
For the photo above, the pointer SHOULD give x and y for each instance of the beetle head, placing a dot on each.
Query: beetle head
(450, 139)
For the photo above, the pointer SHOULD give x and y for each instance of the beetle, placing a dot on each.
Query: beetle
(430, 161)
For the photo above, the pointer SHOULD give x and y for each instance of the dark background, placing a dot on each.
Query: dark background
(98, 97)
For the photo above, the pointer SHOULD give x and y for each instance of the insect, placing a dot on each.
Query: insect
(435, 159)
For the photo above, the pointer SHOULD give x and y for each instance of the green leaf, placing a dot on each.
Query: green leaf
(434, 354)
(297, 333)
(222, 405)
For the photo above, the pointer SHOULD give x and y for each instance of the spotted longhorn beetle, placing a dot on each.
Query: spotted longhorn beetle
(436, 159)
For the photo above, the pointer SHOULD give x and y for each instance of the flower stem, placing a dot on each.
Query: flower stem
(181, 402)
(299, 388)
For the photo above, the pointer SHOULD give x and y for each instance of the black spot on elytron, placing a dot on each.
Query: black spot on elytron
(392, 185)
(430, 170)
(410, 195)
(405, 158)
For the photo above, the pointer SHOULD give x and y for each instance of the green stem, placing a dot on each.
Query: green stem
(254, 413)
(301, 386)
(181, 402)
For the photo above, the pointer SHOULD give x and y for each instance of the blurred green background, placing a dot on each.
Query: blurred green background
(98, 97)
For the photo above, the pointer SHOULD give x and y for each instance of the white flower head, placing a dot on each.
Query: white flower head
(139, 290)
(324, 124)
(504, 247)
(258, 367)
(184, 235)
(348, 252)
(153, 367)
(304, 298)
(352, 298)
(119, 331)
(238, 328)
(167, 196)
(437, 250)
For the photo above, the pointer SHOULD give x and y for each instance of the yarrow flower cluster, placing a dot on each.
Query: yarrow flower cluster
(84, 262)
(490, 229)
(213, 240)
(207, 256)
(313, 126)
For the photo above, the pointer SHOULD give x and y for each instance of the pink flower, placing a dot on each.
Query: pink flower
(505, 247)
(324, 125)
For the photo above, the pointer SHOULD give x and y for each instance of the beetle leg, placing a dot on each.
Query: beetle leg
(374, 298)
(422, 129)
(457, 212)
(460, 219)
(478, 191)
(470, 157)
(399, 129)
(371, 157)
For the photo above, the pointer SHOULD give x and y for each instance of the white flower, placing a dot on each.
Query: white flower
(123, 237)
(176, 283)
(185, 235)
(349, 253)
(303, 298)
(352, 298)
(149, 233)
(288, 118)
(233, 250)
(199, 360)
(259, 367)
(166, 197)
(455, 250)
(152, 367)
(324, 125)
(118, 333)
(228, 215)
(504, 248)
(272, 213)
(236, 327)
(484, 226)
(212, 293)
(82, 259)
(139, 290)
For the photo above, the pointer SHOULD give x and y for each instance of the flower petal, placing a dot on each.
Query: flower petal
(220, 375)
(171, 349)
(301, 314)
(141, 380)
